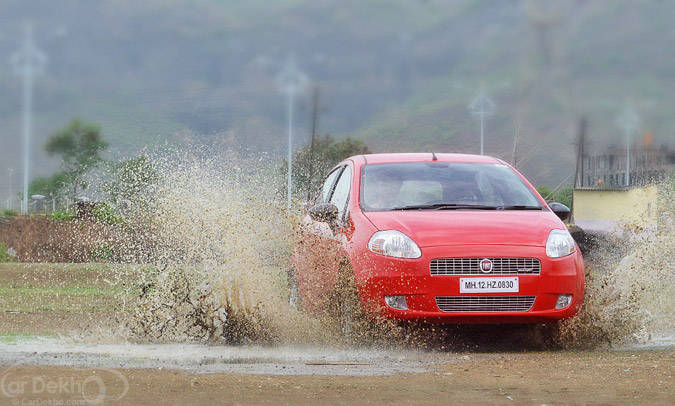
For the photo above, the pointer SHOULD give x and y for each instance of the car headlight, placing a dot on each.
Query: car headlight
(559, 244)
(393, 243)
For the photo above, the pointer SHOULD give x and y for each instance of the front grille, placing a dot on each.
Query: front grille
(471, 266)
(474, 304)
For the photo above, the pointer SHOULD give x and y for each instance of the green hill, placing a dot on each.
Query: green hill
(398, 74)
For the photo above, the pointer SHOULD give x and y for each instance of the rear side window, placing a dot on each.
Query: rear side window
(341, 193)
(328, 186)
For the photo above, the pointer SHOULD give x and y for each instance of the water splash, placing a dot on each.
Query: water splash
(221, 243)
(630, 286)
(221, 247)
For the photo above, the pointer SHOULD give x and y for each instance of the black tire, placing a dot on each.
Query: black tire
(344, 305)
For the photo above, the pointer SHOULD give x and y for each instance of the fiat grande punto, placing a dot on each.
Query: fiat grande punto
(440, 238)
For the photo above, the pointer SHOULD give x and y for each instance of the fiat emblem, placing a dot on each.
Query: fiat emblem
(486, 265)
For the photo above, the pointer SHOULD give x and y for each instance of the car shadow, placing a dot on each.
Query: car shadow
(482, 338)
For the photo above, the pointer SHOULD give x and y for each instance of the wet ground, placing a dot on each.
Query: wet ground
(50, 352)
(277, 360)
(597, 377)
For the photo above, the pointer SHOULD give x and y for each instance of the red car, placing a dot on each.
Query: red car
(440, 238)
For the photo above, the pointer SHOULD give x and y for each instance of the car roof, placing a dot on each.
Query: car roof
(425, 157)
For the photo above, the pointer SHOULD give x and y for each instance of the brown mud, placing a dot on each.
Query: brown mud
(599, 377)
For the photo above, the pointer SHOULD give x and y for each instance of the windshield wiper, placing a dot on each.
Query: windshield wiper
(447, 206)
(520, 207)
(453, 206)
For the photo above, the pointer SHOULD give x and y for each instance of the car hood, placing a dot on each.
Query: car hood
(430, 228)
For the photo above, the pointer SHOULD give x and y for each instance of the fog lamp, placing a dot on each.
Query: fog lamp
(563, 301)
(396, 302)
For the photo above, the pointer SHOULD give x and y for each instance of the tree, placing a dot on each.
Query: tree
(48, 186)
(130, 180)
(309, 167)
(79, 145)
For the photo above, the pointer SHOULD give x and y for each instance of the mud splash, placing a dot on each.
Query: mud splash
(630, 287)
(222, 239)
(221, 245)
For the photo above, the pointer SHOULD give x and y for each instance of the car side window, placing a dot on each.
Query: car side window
(341, 192)
(328, 186)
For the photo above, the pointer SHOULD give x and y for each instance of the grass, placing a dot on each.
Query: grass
(23, 291)
(13, 338)
(64, 299)
(38, 299)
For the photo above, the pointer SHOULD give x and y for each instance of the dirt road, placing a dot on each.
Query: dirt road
(600, 377)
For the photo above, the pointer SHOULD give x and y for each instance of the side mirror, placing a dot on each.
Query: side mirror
(560, 210)
(324, 212)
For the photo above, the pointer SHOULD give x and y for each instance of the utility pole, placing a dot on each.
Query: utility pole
(581, 142)
(315, 119)
(628, 121)
(482, 106)
(291, 81)
(27, 62)
(516, 135)
(11, 192)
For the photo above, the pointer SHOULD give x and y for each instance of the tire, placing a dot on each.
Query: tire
(345, 309)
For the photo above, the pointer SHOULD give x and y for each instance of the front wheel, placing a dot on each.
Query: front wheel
(344, 308)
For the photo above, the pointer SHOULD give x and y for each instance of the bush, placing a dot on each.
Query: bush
(545, 192)
(563, 195)
(61, 215)
(8, 213)
(106, 214)
(40, 239)
(5, 256)
(102, 253)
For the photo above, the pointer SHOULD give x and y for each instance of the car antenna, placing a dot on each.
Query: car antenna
(433, 156)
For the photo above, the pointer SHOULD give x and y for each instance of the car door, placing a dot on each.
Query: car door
(319, 248)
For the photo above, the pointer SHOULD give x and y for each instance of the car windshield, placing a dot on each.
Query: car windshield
(444, 185)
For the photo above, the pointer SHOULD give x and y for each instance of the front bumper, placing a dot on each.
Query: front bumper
(378, 276)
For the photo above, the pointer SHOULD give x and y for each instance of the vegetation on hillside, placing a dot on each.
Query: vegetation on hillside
(397, 74)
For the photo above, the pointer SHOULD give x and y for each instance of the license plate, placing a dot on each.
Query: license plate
(485, 285)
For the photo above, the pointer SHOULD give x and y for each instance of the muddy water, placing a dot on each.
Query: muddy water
(222, 241)
(630, 282)
(277, 360)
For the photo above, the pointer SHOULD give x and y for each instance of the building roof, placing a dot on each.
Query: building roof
(615, 188)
